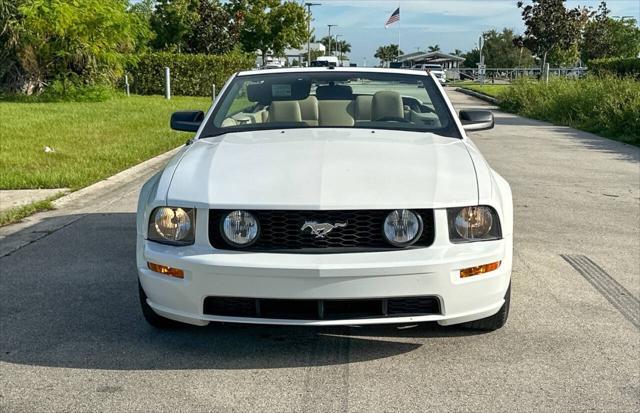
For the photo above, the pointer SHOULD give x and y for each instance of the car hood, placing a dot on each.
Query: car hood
(325, 169)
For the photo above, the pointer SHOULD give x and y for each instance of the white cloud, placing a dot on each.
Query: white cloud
(467, 8)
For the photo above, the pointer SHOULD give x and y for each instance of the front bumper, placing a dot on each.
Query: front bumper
(432, 271)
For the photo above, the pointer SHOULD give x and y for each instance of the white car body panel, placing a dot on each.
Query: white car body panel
(329, 169)
(323, 169)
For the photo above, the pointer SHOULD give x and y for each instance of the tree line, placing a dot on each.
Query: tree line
(553, 34)
(92, 41)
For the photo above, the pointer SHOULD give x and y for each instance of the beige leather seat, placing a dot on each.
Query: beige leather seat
(335, 105)
(309, 110)
(228, 122)
(363, 107)
(335, 112)
(284, 111)
(386, 104)
(260, 116)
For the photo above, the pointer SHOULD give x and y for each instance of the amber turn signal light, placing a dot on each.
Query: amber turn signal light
(163, 269)
(480, 269)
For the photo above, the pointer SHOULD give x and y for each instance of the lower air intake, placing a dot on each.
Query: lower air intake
(321, 309)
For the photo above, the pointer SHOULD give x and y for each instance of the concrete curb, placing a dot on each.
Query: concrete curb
(76, 205)
(11, 199)
(89, 193)
(478, 95)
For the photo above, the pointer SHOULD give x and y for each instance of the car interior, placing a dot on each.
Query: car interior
(329, 104)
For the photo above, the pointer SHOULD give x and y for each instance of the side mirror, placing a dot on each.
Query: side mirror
(187, 121)
(474, 120)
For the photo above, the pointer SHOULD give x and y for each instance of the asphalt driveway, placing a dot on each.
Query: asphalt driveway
(72, 337)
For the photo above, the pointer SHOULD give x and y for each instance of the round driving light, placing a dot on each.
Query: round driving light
(473, 222)
(402, 227)
(172, 224)
(240, 228)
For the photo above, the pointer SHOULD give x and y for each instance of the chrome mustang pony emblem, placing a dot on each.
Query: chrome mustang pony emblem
(320, 229)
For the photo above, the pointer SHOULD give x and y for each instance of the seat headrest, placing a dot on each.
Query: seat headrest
(285, 111)
(309, 108)
(363, 107)
(334, 92)
(386, 104)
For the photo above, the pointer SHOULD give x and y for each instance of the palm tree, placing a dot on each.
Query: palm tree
(457, 52)
(343, 46)
(434, 48)
(381, 53)
(387, 53)
(339, 46)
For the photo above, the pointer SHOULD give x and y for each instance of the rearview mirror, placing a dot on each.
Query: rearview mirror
(187, 121)
(474, 120)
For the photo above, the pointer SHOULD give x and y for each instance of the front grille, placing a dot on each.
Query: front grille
(321, 309)
(281, 230)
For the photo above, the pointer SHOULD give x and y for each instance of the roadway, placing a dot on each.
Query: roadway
(72, 337)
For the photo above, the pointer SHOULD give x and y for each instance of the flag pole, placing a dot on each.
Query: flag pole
(398, 39)
(395, 18)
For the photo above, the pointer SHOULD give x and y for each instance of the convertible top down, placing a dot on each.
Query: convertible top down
(327, 196)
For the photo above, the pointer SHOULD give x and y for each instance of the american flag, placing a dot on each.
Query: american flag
(395, 16)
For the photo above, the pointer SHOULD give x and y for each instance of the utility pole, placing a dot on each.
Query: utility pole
(338, 49)
(309, 5)
(330, 26)
(481, 65)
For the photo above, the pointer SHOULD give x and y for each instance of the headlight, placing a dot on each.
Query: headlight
(172, 225)
(240, 228)
(402, 227)
(474, 223)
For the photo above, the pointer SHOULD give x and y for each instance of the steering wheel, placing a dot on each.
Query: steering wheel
(392, 119)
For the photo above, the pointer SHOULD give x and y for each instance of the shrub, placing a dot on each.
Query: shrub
(71, 92)
(629, 66)
(607, 105)
(63, 40)
(191, 74)
(64, 91)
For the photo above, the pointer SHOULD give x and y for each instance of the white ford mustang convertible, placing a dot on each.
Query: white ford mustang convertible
(327, 196)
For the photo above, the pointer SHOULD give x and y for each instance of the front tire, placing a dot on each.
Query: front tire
(151, 316)
(496, 321)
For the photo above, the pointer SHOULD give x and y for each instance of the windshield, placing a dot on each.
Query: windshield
(332, 100)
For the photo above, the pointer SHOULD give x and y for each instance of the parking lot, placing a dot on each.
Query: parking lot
(72, 336)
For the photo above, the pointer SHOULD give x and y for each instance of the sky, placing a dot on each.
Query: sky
(452, 24)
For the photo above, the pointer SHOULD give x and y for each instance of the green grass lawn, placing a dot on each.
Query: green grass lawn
(495, 91)
(92, 140)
